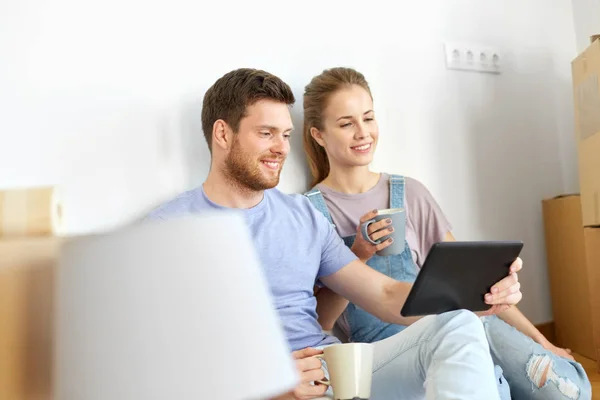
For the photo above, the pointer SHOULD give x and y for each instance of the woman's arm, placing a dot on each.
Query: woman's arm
(330, 306)
(514, 317)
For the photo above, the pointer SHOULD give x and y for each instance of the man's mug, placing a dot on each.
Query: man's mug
(350, 367)
(398, 217)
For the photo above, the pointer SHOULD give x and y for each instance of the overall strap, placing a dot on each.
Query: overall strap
(318, 201)
(397, 191)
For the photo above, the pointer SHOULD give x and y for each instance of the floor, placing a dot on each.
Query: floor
(592, 370)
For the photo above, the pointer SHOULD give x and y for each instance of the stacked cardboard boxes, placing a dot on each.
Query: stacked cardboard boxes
(572, 223)
(586, 94)
(571, 272)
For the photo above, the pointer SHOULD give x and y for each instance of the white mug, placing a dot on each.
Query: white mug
(350, 367)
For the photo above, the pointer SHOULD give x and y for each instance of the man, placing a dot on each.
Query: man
(247, 125)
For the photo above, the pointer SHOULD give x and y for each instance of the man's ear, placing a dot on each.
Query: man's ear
(222, 134)
(317, 135)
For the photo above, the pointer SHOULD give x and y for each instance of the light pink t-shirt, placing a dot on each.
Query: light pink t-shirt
(426, 223)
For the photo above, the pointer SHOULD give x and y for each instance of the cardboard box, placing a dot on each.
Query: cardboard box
(589, 179)
(592, 246)
(585, 69)
(26, 302)
(569, 274)
(586, 94)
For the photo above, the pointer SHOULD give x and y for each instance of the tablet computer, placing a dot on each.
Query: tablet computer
(457, 275)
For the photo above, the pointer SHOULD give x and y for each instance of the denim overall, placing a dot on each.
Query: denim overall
(365, 327)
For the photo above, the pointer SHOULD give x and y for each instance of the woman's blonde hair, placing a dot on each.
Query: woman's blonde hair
(316, 95)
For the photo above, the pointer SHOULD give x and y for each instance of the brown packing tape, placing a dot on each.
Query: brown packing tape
(30, 212)
(593, 38)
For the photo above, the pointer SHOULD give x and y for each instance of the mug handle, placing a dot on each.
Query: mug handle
(365, 233)
(325, 381)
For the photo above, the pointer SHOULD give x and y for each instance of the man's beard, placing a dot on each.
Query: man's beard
(244, 170)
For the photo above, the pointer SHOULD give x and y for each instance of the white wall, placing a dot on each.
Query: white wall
(586, 17)
(104, 98)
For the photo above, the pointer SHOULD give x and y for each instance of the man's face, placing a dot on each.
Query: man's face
(260, 146)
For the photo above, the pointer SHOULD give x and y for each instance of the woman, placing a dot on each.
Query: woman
(340, 138)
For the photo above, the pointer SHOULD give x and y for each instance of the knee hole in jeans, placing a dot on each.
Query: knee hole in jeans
(540, 372)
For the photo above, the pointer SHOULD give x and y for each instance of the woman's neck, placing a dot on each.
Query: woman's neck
(351, 180)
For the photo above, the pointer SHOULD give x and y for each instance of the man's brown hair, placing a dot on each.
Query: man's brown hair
(230, 95)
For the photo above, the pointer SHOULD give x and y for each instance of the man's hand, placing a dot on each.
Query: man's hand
(505, 293)
(309, 369)
(365, 249)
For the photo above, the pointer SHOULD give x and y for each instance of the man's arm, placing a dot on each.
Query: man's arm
(377, 293)
(384, 297)
(371, 290)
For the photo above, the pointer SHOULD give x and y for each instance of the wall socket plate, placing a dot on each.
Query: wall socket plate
(473, 57)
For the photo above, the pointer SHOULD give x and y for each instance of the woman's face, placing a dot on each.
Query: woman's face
(350, 131)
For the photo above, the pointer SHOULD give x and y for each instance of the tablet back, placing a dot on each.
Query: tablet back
(457, 275)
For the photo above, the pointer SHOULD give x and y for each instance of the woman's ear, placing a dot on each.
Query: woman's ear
(317, 135)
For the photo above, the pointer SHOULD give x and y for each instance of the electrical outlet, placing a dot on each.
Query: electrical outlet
(477, 58)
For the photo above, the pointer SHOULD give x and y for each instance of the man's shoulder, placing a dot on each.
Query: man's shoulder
(180, 205)
(294, 201)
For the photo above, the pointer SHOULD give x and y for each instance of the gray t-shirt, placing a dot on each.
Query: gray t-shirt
(426, 222)
(296, 245)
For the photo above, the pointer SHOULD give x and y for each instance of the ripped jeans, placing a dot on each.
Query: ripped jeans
(439, 357)
(531, 371)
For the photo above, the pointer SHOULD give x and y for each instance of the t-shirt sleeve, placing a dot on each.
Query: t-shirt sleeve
(334, 253)
(425, 214)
